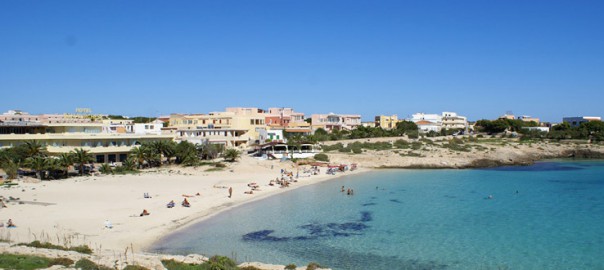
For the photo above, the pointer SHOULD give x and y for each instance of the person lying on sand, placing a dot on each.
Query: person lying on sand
(10, 224)
(170, 204)
(186, 203)
(249, 192)
(145, 213)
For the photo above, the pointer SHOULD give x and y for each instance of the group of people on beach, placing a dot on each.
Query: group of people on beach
(171, 204)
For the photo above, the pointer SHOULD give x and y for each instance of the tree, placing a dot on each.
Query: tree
(65, 160)
(38, 164)
(231, 154)
(34, 148)
(186, 153)
(138, 154)
(81, 157)
(404, 127)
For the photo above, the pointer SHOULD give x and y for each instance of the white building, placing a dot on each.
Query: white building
(149, 128)
(427, 122)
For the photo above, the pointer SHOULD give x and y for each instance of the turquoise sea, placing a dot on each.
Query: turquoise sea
(546, 216)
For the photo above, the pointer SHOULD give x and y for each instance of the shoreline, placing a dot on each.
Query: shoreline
(71, 211)
(210, 213)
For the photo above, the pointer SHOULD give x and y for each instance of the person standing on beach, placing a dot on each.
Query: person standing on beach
(230, 192)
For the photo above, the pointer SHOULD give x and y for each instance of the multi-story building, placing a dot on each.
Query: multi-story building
(451, 120)
(386, 122)
(66, 137)
(333, 121)
(577, 120)
(235, 127)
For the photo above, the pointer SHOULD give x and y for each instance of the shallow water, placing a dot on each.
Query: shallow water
(546, 216)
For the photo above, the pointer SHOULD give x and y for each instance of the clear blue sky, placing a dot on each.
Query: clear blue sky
(478, 58)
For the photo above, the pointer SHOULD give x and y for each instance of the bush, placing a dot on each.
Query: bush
(322, 157)
(222, 262)
(413, 134)
(290, 266)
(174, 265)
(313, 266)
(37, 244)
(337, 146)
(357, 150)
(135, 267)
(401, 144)
(13, 261)
(85, 264)
(61, 261)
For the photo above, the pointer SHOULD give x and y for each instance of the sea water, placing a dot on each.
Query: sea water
(546, 216)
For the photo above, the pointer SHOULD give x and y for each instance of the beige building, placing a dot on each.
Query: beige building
(66, 137)
(386, 122)
(235, 127)
(334, 121)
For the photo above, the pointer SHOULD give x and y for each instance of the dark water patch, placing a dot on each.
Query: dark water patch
(373, 197)
(395, 201)
(316, 230)
(537, 167)
(450, 196)
(263, 235)
(391, 192)
(369, 204)
(366, 216)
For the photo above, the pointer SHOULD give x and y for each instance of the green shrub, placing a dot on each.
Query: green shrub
(222, 263)
(81, 249)
(357, 150)
(174, 265)
(322, 157)
(219, 165)
(413, 134)
(85, 264)
(135, 267)
(416, 145)
(313, 266)
(337, 146)
(290, 266)
(27, 262)
(401, 144)
(61, 261)
(344, 150)
(37, 244)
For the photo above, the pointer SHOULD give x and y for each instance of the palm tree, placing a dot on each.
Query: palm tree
(34, 148)
(231, 154)
(38, 164)
(128, 164)
(138, 154)
(81, 157)
(106, 169)
(65, 160)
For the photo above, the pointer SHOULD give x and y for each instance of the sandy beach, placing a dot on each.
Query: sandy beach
(74, 211)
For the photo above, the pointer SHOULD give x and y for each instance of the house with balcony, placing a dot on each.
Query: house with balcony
(334, 121)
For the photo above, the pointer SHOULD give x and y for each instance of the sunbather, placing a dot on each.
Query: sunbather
(145, 213)
(186, 203)
(170, 204)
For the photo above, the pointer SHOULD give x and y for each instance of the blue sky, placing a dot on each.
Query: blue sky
(477, 58)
